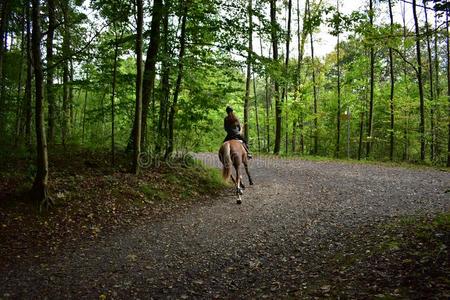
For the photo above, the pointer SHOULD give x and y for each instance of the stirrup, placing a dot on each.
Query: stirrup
(249, 155)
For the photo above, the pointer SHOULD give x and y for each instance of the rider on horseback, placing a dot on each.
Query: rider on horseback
(233, 128)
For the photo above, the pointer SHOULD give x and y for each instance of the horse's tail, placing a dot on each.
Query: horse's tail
(226, 161)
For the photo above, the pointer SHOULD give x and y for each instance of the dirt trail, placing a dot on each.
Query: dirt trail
(272, 245)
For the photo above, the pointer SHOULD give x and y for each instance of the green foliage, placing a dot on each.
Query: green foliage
(213, 77)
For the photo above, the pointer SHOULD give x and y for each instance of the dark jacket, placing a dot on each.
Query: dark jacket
(233, 130)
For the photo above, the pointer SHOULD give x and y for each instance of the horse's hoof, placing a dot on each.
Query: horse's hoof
(251, 182)
(238, 201)
(242, 186)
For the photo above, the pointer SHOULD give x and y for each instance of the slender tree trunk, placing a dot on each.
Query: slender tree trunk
(361, 129)
(284, 92)
(372, 84)
(301, 36)
(3, 24)
(338, 63)
(28, 85)
(431, 95)
(148, 80)
(66, 74)
(84, 115)
(165, 88)
(316, 133)
(113, 96)
(71, 89)
(406, 125)
(138, 112)
(297, 76)
(40, 185)
(266, 101)
(267, 117)
(102, 109)
(50, 94)
(3, 38)
(249, 69)
(274, 36)
(391, 96)
(294, 136)
(173, 108)
(448, 87)
(437, 85)
(19, 85)
(419, 83)
(256, 114)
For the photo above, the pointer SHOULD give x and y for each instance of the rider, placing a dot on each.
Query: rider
(233, 128)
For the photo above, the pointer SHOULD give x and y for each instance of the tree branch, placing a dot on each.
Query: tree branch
(405, 60)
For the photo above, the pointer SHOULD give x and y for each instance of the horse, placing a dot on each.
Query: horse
(233, 153)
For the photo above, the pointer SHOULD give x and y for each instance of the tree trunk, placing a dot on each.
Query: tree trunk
(430, 73)
(256, 114)
(391, 95)
(284, 92)
(437, 85)
(84, 115)
(448, 87)
(138, 111)
(361, 129)
(50, 94)
(113, 96)
(40, 185)
(316, 133)
(19, 85)
(165, 88)
(3, 24)
(372, 83)
(3, 37)
(266, 101)
(419, 83)
(28, 85)
(267, 107)
(274, 36)
(294, 136)
(301, 36)
(405, 76)
(173, 108)
(72, 115)
(66, 74)
(249, 69)
(148, 80)
(338, 62)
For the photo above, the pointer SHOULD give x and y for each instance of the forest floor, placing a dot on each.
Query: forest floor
(306, 229)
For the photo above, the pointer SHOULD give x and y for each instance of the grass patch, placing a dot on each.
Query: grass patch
(194, 178)
(154, 193)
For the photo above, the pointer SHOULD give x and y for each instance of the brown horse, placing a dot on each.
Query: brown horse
(233, 153)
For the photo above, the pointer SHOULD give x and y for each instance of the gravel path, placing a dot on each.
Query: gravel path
(271, 245)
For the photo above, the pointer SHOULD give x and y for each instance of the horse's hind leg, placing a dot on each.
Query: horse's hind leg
(234, 181)
(238, 185)
(248, 173)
